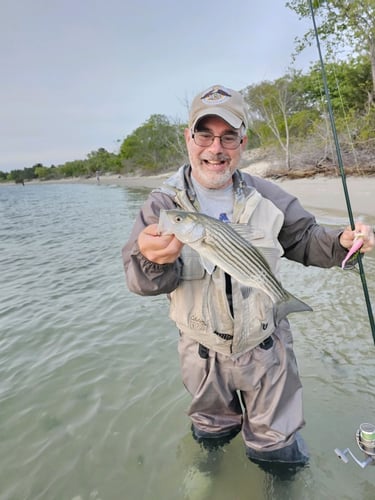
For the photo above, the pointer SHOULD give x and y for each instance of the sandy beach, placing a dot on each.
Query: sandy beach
(327, 194)
(320, 194)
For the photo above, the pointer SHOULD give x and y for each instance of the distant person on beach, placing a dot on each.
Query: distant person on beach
(97, 177)
(237, 362)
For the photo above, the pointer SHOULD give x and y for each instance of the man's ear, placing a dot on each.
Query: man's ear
(187, 135)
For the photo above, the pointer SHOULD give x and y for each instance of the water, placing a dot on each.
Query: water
(91, 402)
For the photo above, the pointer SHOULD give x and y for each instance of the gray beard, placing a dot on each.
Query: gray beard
(212, 180)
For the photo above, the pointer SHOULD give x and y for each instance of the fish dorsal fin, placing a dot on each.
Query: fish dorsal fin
(244, 230)
(271, 254)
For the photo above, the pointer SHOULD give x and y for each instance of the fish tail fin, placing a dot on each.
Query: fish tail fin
(290, 305)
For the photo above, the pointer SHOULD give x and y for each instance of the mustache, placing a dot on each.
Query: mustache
(216, 158)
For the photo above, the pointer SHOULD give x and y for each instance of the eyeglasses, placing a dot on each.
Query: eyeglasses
(205, 139)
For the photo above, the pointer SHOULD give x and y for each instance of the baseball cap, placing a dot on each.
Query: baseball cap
(221, 101)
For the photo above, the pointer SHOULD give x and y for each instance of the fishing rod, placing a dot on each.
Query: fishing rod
(342, 171)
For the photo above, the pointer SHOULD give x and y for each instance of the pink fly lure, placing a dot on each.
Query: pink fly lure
(358, 242)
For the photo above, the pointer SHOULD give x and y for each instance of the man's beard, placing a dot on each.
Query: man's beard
(215, 179)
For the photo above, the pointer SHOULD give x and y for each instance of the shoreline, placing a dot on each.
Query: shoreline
(317, 194)
(327, 193)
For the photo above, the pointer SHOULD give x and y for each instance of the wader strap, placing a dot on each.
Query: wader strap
(228, 291)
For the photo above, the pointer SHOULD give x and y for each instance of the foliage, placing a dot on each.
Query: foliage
(154, 146)
(73, 168)
(292, 110)
(278, 111)
(19, 176)
(102, 160)
(343, 23)
(42, 172)
(287, 114)
(16, 176)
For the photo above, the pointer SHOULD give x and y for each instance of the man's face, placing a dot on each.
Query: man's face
(213, 165)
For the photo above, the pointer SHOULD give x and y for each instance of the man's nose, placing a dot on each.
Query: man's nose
(216, 145)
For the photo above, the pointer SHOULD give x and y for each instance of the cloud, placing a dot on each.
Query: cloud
(80, 75)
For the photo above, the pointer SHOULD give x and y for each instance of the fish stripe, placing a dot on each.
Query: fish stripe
(236, 251)
(223, 246)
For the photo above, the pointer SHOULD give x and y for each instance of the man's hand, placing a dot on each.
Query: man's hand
(363, 231)
(161, 249)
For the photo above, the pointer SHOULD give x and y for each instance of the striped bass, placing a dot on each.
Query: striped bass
(221, 244)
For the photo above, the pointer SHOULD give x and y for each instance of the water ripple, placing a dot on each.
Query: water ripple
(92, 404)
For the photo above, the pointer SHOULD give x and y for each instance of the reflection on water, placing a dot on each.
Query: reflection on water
(91, 401)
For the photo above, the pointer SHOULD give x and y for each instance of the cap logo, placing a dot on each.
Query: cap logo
(216, 95)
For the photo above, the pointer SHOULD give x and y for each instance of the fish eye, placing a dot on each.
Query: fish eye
(178, 218)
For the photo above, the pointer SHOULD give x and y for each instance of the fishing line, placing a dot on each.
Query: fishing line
(348, 131)
(342, 171)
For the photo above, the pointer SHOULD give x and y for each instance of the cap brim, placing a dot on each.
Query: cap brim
(233, 120)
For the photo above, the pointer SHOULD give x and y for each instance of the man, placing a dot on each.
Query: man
(254, 388)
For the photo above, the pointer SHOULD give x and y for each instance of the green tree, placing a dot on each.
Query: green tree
(349, 83)
(343, 23)
(102, 160)
(73, 168)
(16, 175)
(42, 172)
(278, 111)
(154, 146)
(29, 172)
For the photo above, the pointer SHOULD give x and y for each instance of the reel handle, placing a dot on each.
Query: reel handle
(343, 456)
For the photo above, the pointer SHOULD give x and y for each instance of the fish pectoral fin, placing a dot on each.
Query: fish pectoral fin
(208, 265)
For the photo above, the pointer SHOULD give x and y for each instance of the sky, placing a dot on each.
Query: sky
(79, 75)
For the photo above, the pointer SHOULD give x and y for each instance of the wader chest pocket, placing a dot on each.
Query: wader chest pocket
(192, 268)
